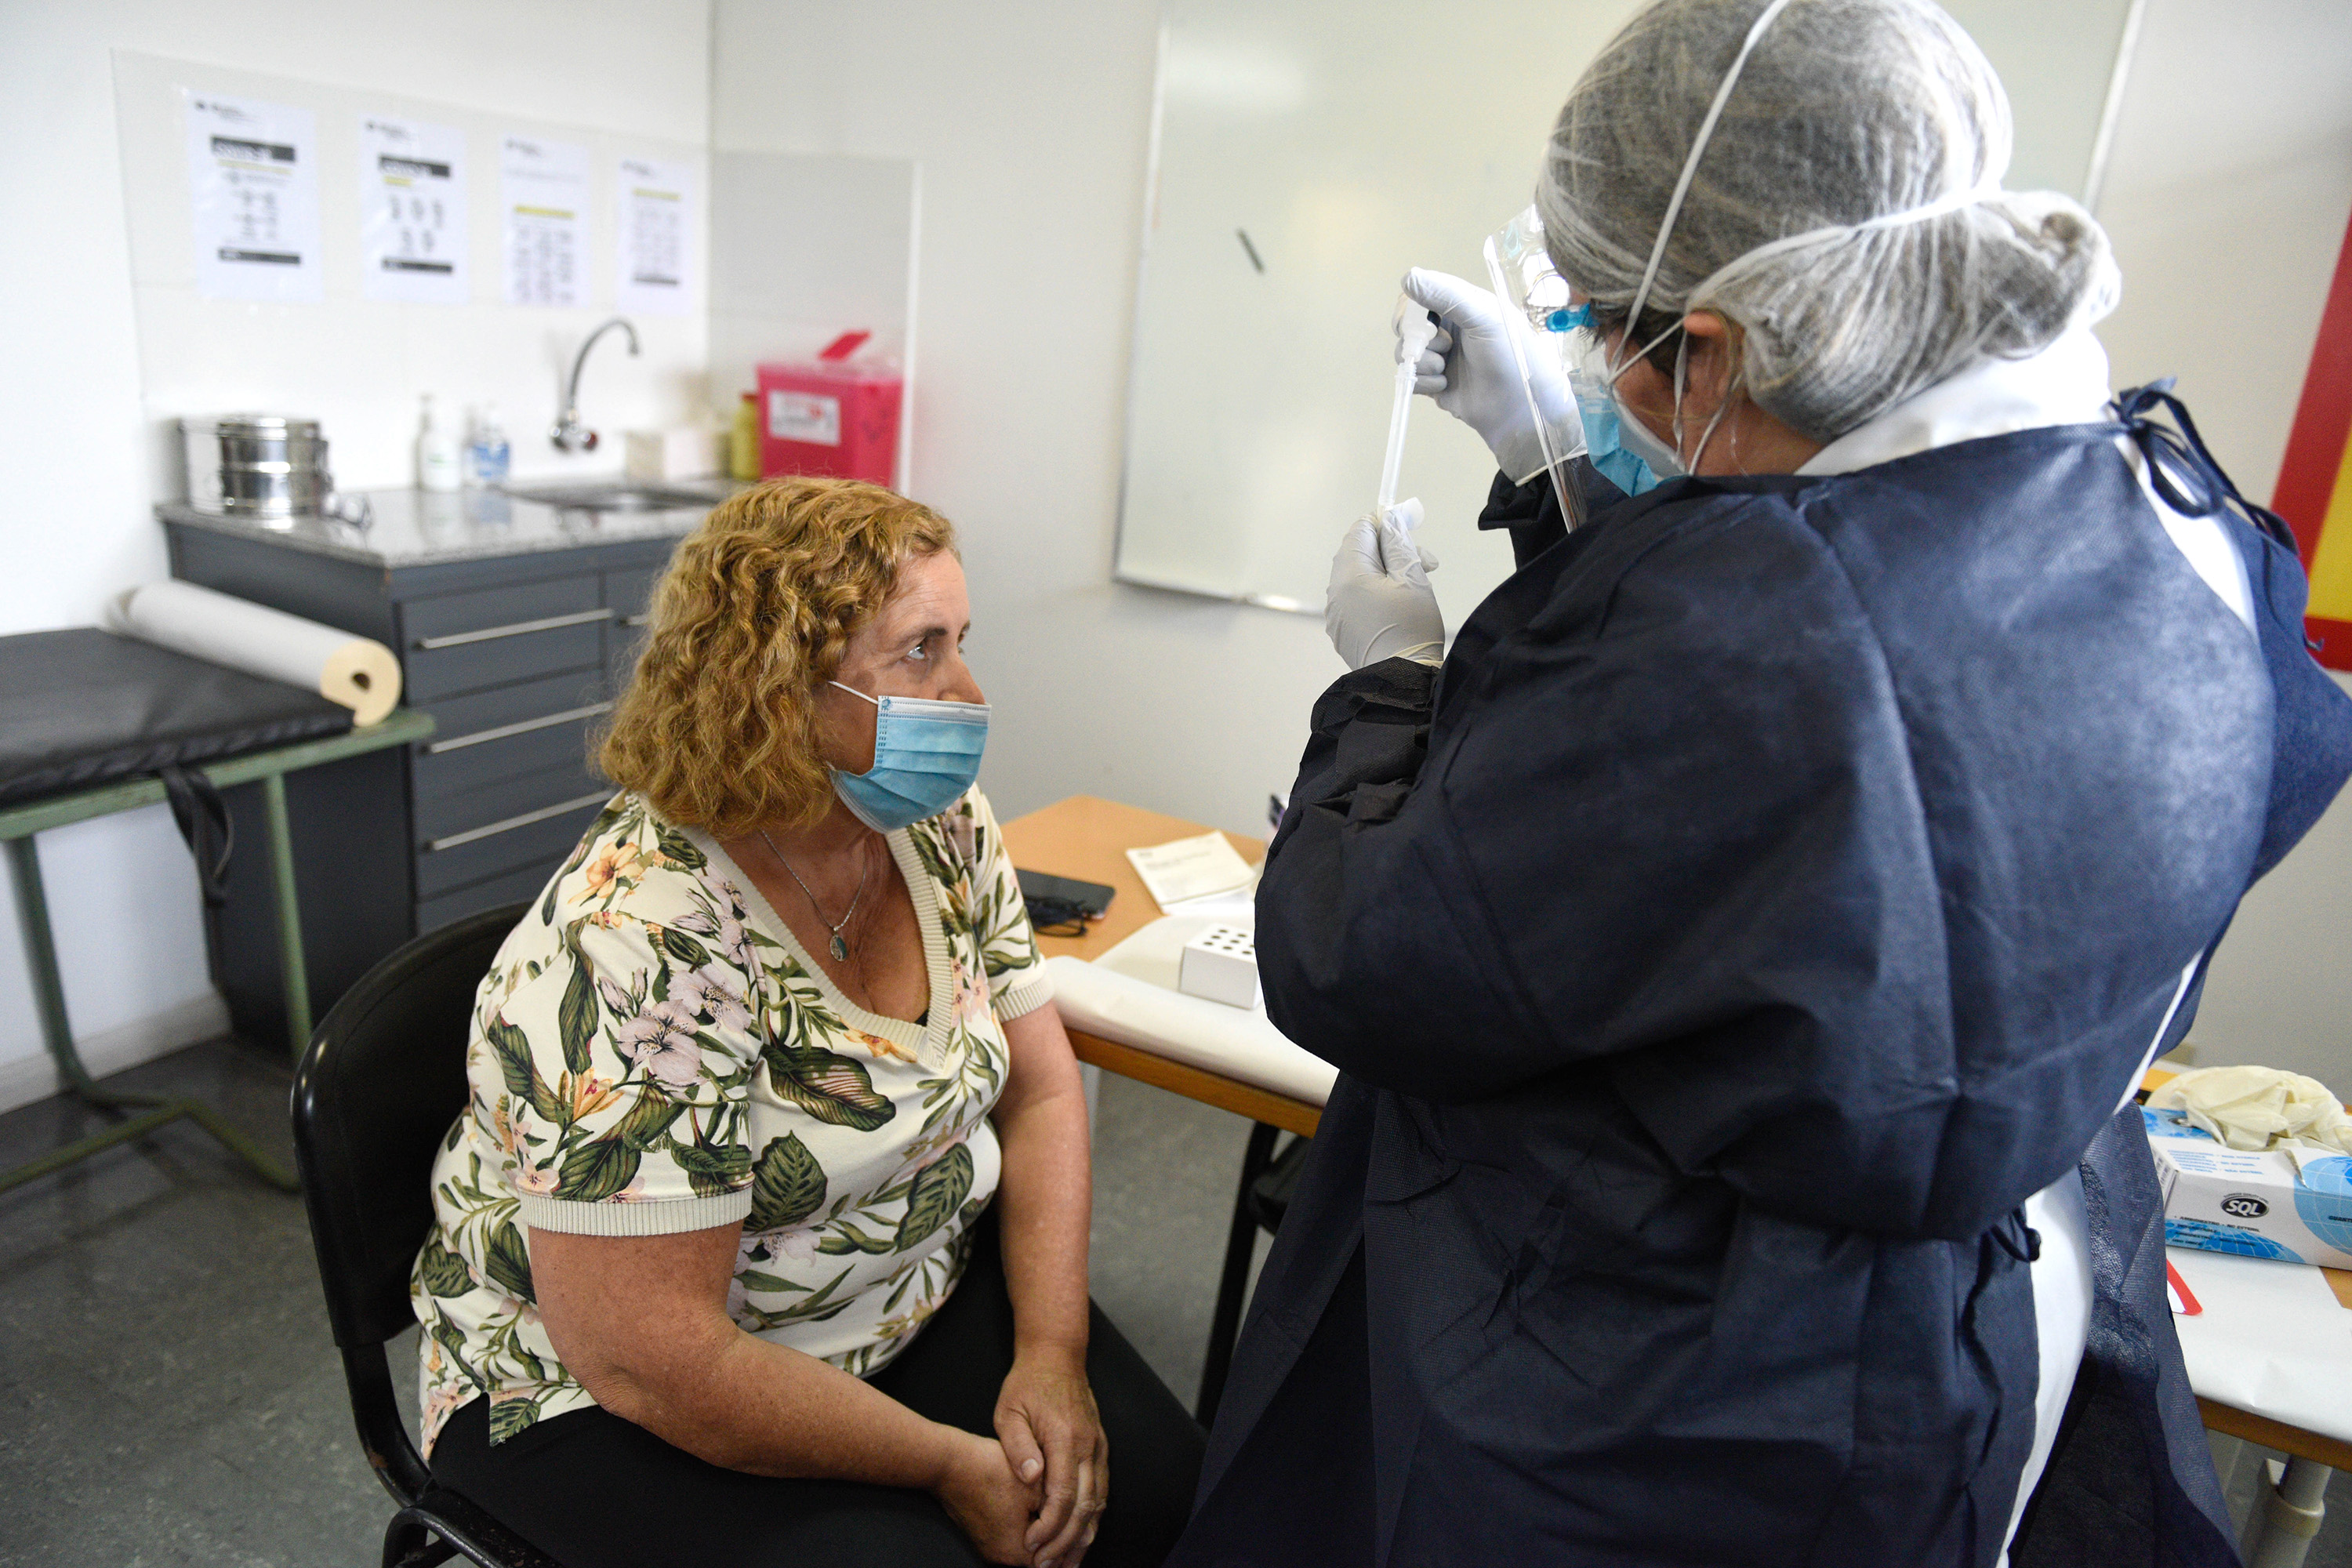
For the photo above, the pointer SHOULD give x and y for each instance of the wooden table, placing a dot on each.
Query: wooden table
(1087, 839)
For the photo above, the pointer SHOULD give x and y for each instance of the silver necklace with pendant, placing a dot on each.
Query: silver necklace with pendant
(840, 949)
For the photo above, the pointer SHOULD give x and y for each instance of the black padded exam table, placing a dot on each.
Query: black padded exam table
(89, 723)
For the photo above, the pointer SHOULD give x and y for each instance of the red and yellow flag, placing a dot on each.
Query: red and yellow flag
(2314, 486)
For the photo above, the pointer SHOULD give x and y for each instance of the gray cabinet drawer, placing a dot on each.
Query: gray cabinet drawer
(508, 731)
(629, 595)
(463, 642)
(461, 812)
(516, 822)
(545, 749)
(507, 888)
(482, 610)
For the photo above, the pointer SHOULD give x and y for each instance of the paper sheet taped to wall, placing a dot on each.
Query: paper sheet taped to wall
(253, 188)
(359, 673)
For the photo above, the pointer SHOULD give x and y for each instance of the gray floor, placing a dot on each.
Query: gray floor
(168, 1393)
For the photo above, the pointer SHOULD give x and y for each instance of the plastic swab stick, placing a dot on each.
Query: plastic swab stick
(1414, 329)
(1399, 411)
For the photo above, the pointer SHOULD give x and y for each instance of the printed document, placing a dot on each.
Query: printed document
(544, 246)
(253, 174)
(1185, 870)
(412, 212)
(657, 227)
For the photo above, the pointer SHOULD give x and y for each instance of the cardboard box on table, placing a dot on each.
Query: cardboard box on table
(2288, 1205)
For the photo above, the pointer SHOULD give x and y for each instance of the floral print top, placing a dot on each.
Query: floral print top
(652, 1052)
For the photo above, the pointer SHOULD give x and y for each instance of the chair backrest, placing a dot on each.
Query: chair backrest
(377, 1092)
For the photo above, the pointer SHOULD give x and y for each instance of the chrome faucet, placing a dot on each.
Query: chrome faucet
(569, 435)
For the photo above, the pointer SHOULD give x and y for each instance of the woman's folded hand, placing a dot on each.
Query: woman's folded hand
(1053, 1439)
(986, 1500)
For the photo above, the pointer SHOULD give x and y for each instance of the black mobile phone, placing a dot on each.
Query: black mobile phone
(1093, 898)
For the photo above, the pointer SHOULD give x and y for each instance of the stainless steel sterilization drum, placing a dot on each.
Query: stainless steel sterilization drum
(256, 464)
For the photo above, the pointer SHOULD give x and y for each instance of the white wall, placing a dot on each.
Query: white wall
(1030, 119)
(78, 522)
(2228, 196)
(2227, 200)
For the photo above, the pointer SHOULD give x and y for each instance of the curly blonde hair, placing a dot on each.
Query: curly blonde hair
(718, 728)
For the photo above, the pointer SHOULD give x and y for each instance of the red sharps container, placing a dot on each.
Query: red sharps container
(830, 416)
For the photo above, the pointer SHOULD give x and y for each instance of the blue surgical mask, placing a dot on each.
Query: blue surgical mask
(1616, 443)
(926, 754)
(1641, 443)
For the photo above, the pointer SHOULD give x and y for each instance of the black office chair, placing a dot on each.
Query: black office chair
(382, 1080)
(1268, 1182)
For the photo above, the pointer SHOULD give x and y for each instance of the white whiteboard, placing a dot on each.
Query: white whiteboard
(1350, 141)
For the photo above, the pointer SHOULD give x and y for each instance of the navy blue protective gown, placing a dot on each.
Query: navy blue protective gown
(1780, 882)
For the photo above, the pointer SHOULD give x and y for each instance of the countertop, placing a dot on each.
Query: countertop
(421, 528)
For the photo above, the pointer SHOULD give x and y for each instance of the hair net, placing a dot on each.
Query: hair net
(1845, 208)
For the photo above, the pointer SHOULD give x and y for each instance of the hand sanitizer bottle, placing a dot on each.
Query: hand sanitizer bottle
(436, 451)
(487, 455)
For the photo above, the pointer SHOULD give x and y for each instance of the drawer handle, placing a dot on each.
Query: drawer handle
(522, 727)
(492, 633)
(511, 823)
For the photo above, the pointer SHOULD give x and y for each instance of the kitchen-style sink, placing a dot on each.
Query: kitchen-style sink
(616, 495)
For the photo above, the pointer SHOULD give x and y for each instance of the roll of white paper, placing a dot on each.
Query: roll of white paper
(1210, 1035)
(360, 674)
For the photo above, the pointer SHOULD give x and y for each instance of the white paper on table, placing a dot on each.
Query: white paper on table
(543, 221)
(656, 236)
(413, 212)
(1129, 995)
(2271, 1338)
(253, 179)
(1184, 869)
(1230, 1041)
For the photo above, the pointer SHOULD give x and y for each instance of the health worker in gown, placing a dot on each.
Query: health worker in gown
(1741, 944)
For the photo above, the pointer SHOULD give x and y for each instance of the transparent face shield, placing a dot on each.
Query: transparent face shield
(1554, 357)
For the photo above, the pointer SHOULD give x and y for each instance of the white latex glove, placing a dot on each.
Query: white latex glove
(1379, 604)
(1468, 371)
(2257, 1108)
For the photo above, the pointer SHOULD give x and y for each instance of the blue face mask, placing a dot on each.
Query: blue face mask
(1619, 445)
(926, 754)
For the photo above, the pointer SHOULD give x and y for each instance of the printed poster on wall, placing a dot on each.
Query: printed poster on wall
(412, 212)
(657, 234)
(2315, 486)
(252, 176)
(543, 198)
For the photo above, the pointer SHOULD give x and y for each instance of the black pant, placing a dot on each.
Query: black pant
(592, 1490)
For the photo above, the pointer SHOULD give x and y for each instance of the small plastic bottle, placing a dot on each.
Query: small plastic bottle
(744, 439)
(436, 451)
(487, 455)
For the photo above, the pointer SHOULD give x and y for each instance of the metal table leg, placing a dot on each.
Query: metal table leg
(1241, 1246)
(57, 1033)
(2286, 1515)
(289, 915)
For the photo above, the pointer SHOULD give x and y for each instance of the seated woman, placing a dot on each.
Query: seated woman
(714, 1274)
